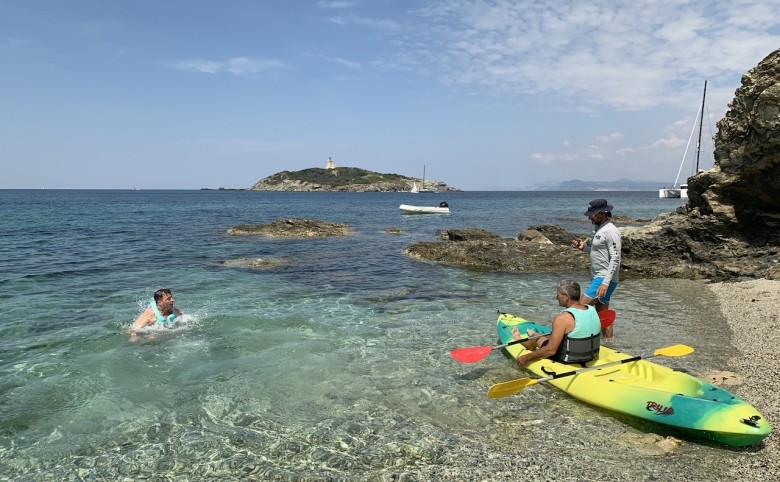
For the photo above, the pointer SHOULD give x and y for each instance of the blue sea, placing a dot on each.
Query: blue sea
(332, 365)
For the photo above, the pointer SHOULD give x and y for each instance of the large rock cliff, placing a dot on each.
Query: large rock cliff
(730, 227)
(742, 191)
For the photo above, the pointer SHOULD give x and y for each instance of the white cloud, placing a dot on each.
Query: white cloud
(341, 61)
(591, 152)
(335, 4)
(347, 63)
(601, 54)
(385, 25)
(614, 136)
(237, 66)
(543, 157)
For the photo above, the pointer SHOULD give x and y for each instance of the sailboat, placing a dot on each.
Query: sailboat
(414, 188)
(682, 191)
(423, 188)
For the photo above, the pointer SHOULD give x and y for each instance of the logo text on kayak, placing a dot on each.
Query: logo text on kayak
(658, 408)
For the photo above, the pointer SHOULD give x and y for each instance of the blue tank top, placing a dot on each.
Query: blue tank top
(586, 322)
(582, 343)
(163, 320)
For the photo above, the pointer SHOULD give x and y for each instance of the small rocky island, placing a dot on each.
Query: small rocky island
(348, 179)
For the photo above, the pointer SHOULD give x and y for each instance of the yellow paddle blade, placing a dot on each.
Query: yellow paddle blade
(674, 350)
(505, 389)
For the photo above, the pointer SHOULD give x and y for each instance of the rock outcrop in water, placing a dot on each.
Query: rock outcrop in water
(537, 249)
(729, 229)
(292, 228)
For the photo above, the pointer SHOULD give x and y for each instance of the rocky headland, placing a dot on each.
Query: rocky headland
(729, 229)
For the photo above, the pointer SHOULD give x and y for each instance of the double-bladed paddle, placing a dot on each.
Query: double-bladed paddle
(506, 389)
(474, 354)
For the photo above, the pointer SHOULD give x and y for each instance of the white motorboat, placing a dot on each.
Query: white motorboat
(442, 208)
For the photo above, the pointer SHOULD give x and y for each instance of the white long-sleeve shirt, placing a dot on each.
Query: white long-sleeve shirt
(604, 251)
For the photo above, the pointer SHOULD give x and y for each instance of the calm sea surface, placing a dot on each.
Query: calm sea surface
(332, 365)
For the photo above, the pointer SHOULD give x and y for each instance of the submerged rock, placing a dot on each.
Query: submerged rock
(652, 444)
(255, 263)
(292, 228)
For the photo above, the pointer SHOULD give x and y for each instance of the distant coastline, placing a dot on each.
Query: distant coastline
(354, 179)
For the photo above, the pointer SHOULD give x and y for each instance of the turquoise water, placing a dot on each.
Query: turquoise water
(333, 365)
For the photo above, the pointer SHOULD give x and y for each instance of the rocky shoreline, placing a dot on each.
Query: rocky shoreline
(671, 246)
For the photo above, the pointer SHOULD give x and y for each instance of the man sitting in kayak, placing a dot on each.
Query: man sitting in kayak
(161, 312)
(576, 331)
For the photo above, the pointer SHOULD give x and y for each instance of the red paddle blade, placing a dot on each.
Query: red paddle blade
(471, 354)
(607, 317)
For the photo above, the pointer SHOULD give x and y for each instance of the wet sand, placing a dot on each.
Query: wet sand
(752, 314)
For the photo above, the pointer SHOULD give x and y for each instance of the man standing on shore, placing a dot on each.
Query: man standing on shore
(604, 250)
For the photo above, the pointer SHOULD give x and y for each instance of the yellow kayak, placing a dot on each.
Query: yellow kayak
(637, 387)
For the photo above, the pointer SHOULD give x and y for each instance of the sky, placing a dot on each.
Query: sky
(482, 94)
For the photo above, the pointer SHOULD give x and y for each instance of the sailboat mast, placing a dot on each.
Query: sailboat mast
(701, 123)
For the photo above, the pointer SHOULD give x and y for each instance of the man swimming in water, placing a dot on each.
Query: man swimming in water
(161, 312)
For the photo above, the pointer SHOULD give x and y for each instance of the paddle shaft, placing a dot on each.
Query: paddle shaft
(594, 367)
(506, 389)
(515, 342)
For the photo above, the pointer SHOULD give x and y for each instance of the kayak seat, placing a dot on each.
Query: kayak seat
(642, 370)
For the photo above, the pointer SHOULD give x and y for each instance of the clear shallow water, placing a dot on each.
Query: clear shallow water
(333, 365)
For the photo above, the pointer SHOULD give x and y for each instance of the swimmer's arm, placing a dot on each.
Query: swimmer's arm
(144, 319)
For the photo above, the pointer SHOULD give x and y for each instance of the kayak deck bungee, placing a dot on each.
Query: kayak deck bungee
(648, 391)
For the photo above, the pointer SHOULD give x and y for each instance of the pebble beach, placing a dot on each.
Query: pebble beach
(752, 315)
